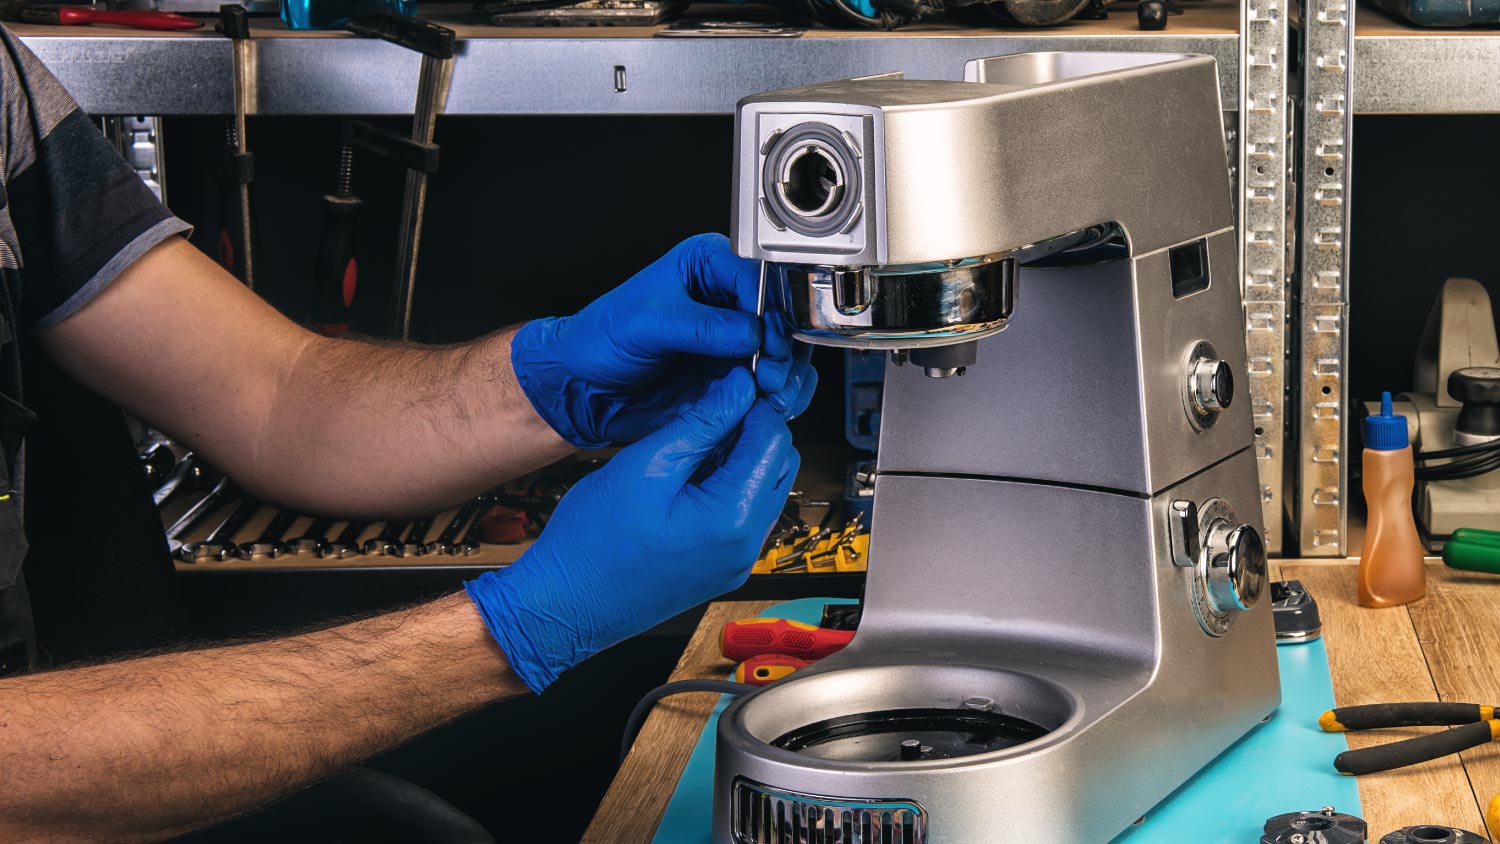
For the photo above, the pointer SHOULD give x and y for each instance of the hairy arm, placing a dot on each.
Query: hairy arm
(362, 428)
(150, 748)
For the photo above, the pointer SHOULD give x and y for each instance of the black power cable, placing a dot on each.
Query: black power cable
(1464, 462)
(642, 709)
(424, 816)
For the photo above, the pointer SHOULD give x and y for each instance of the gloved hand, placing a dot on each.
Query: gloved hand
(658, 529)
(621, 367)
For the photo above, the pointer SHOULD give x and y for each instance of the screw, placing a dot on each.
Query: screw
(911, 749)
(1327, 810)
(1297, 838)
(980, 704)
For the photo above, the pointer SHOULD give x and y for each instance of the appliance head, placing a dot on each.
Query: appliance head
(894, 212)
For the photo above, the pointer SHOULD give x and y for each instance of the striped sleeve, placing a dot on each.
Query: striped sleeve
(80, 215)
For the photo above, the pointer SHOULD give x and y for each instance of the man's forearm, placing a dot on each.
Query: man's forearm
(149, 748)
(344, 427)
(378, 429)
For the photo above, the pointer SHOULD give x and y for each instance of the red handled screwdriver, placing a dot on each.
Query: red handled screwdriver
(751, 637)
(79, 15)
(337, 273)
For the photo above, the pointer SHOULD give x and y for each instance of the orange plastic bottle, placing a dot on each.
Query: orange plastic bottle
(1392, 571)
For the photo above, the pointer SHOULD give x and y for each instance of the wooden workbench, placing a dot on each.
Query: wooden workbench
(1435, 649)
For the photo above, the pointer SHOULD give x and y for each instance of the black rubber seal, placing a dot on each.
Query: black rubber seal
(832, 141)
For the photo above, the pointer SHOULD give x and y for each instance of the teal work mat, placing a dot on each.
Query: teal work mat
(1284, 765)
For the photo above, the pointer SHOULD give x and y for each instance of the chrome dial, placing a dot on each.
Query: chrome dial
(1227, 558)
(1207, 387)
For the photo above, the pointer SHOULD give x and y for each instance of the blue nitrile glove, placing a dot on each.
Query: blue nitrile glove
(657, 530)
(621, 367)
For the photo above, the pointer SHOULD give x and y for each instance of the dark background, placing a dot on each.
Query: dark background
(1426, 193)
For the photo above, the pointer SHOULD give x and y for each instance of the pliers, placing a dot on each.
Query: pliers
(1477, 724)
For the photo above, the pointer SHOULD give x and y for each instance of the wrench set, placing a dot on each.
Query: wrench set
(458, 537)
(221, 525)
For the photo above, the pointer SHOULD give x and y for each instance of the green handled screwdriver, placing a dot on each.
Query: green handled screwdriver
(1472, 549)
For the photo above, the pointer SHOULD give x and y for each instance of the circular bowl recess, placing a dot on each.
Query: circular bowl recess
(904, 713)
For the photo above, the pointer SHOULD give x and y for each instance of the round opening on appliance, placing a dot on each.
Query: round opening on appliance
(1429, 833)
(813, 181)
(907, 735)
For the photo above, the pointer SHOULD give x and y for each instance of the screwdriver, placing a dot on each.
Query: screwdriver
(752, 637)
(79, 15)
(336, 275)
(767, 668)
(1472, 549)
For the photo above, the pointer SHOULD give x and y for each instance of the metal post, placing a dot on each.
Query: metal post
(1265, 182)
(432, 97)
(1323, 473)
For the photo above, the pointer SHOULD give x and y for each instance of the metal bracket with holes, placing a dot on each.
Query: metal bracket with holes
(1264, 184)
(1323, 344)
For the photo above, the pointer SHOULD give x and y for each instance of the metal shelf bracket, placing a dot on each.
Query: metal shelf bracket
(1323, 344)
(1265, 182)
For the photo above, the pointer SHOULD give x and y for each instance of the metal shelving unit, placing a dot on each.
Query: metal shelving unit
(628, 71)
(533, 71)
(1378, 66)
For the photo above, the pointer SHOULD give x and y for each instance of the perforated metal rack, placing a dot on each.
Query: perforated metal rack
(1266, 187)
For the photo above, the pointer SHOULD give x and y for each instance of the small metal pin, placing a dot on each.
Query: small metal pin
(760, 312)
(911, 749)
(619, 79)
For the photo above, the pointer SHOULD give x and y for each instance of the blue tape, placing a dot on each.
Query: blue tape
(1284, 765)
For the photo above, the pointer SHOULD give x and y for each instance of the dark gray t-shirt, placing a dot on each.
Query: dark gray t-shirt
(73, 216)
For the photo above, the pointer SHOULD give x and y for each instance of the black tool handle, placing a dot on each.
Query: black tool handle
(234, 22)
(1399, 754)
(424, 37)
(336, 273)
(1374, 716)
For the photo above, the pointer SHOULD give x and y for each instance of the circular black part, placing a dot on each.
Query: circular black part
(823, 188)
(1152, 15)
(1320, 827)
(879, 736)
(1478, 387)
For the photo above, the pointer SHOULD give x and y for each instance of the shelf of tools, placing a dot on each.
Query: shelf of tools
(633, 70)
(1381, 65)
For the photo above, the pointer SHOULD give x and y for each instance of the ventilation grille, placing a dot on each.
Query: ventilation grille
(763, 815)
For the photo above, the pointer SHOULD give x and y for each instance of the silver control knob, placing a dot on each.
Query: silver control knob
(1212, 385)
(1236, 566)
(1207, 385)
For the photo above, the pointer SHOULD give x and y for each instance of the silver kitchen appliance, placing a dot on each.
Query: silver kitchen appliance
(1064, 616)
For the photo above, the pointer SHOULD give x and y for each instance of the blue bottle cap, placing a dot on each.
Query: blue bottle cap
(1386, 431)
